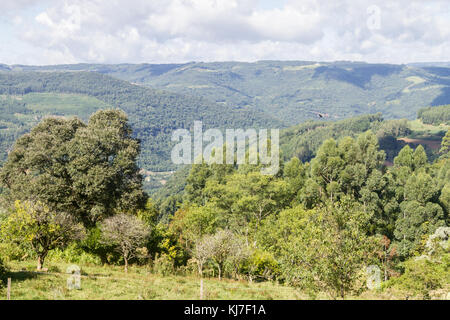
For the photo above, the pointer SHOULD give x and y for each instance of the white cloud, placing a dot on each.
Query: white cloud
(211, 30)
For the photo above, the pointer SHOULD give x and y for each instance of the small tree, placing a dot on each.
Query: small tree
(202, 252)
(35, 224)
(222, 245)
(126, 232)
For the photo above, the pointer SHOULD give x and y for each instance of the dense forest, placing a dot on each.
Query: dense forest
(153, 114)
(436, 116)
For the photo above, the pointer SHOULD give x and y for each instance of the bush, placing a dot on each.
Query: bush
(261, 265)
(93, 245)
(11, 251)
(422, 276)
(163, 265)
(74, 254)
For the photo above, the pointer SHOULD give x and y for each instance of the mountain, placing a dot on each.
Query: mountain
(27, 97)
(293, 91)
(160, 98)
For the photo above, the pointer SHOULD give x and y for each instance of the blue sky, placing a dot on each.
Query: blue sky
(164, 31)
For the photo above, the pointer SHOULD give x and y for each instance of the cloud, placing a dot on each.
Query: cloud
(211, 30)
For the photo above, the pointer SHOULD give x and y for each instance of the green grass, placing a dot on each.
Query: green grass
(63, 104)
(427, 131)
(111, 283)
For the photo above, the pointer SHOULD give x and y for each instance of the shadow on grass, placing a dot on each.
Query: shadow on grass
(21, 275)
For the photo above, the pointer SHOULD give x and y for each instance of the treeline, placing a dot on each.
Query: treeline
(435, 115)
(303, 141)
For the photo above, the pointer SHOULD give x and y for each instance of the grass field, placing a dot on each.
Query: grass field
(420, 129)
(111, 283)
(63, 104)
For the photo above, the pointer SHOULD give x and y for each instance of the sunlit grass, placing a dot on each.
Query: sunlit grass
(110, 283)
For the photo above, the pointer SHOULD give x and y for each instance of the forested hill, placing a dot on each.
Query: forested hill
(26, 97)
(162, 97)
(293, 91)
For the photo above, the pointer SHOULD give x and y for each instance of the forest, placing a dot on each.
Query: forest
(72, 191)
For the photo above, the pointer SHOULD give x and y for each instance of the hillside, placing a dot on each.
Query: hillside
(227, 94)
(294, 91)
(26, 97)
(303, 141)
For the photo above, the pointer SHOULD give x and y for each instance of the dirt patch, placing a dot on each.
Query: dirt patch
(432, 144)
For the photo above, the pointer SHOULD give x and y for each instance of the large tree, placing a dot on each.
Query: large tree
(87, 170)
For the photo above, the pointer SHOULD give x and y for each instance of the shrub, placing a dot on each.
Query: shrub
(12, 251)
(261, 265)
(94, 245)
(163, 265)
(74, 254)
(3, 269)
(422, 276)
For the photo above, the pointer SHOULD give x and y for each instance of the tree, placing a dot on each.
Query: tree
(445, 144)
(322, 249)
(405, 158)
(416, 220)
(202, 252)
(87, 170)
(219, 247)
(35, 224)
(126, 232)
(222, 245)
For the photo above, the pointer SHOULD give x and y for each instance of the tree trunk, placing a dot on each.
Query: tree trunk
(220, 272)
(126, 264)
(40, 261)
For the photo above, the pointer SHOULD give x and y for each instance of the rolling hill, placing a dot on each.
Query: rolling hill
(27, 97)
(162, 97)
(293, 91)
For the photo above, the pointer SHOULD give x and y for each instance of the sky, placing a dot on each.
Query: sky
(42, 32)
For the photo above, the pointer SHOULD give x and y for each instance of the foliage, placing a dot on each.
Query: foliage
(445, 144)
(73, 253)
(322, 249)
(154, 114)
(33, 223)
(3, 270)
(126, 232)
(87, 170)
(260, 266)
(435, 115)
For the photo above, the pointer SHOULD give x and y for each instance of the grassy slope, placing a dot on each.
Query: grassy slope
(111, 283)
